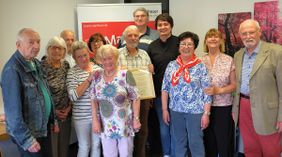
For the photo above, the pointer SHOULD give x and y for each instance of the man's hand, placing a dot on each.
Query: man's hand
(279, 127)
(35, 147)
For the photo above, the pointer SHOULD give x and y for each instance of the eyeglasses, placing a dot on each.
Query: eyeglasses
(183, 44)
(96, 41)
(249, 33)
(140, 16)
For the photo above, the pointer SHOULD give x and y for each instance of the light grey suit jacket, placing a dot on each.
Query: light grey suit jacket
(265, 88)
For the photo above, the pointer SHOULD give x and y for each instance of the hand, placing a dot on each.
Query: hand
(166, 118)
(35, 147)
(205, 121)
(136, 125)
(96, 126)
(279, 127)
(151, 68)
(90, 77)
(56, 128)
(233, 116)
(61, 114)
(210, 90)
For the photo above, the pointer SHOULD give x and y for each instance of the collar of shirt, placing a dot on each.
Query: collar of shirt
(127, 52)
(256, 50)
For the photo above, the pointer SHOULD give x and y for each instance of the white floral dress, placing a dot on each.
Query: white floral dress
(115, 103)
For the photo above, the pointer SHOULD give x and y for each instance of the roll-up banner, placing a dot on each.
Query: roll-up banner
(110, 19)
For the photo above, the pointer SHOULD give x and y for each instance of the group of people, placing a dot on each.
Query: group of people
(199, 100)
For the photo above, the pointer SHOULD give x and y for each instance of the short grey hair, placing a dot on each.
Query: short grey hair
(56, 41)
(249, 21)
(23, 31)
(78, 45)
(141, 9)
(129, 28)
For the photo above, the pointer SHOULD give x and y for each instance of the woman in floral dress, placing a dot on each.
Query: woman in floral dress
(115, 94)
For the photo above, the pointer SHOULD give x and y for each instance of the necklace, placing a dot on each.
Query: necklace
(110, 75)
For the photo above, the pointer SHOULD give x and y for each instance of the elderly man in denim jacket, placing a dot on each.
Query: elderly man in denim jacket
(27, 101)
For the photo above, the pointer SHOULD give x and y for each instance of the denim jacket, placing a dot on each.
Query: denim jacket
(24, 103)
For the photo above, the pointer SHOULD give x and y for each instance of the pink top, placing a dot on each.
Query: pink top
(220, 74)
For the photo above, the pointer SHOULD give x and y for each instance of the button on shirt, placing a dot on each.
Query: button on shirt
(247, 66)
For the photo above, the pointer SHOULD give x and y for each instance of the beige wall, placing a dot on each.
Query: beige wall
(49, 17)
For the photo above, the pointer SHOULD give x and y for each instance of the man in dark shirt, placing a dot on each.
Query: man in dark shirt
(162, 51)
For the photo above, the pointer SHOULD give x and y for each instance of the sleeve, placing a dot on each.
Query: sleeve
(71, 85)
(205, 82)
(95, 79)
(166, 85)
(132, 91)
(12, 97)
(147, 57)
(279, 82)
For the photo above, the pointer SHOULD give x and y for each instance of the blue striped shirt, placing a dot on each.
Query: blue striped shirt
(247, 66)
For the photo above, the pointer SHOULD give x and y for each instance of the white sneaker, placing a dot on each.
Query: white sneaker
(166, 155)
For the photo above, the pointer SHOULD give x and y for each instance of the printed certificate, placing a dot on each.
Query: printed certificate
(144, 81)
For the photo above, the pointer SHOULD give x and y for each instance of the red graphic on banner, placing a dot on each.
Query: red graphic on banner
(112, 31)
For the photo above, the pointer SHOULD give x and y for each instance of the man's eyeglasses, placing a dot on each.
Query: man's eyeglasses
(249, 33)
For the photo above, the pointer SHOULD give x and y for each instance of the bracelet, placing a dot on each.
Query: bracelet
(137, 118)
(208, 113)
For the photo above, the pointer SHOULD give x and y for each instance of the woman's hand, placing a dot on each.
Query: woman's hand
(96, 126)
(210, 90)
(136, 124)
(166, 118)
(205, 121)
(56, 128)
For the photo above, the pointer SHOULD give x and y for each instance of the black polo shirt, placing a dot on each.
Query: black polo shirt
(161, 53)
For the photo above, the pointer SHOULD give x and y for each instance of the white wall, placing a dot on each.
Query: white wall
(199, 16)
(49, 17)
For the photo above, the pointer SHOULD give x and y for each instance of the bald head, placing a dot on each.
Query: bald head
(68, 36)
(252, 22)
(131, 36)
(250, 34)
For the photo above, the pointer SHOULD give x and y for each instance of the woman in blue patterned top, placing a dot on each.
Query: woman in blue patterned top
(189, 107)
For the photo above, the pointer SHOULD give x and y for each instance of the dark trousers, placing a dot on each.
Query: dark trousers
(45, 144)
(219, 136)
(140, 138)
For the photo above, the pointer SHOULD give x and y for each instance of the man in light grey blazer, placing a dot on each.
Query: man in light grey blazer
(257, 104)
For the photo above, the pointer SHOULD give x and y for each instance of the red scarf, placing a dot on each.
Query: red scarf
(176, 75)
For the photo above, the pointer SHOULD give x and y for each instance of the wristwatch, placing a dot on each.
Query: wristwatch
(208, 113)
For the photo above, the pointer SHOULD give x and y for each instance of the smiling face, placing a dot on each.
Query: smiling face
(132, 37)
(81, 57)
(186, 48)
(213, 42)
(69, 39)
(29, 44)
(109, 62)
(250, 34)
(95, 44)
(164, 28)
(141, 18)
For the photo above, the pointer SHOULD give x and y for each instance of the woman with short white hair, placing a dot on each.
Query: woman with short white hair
(55, 70)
